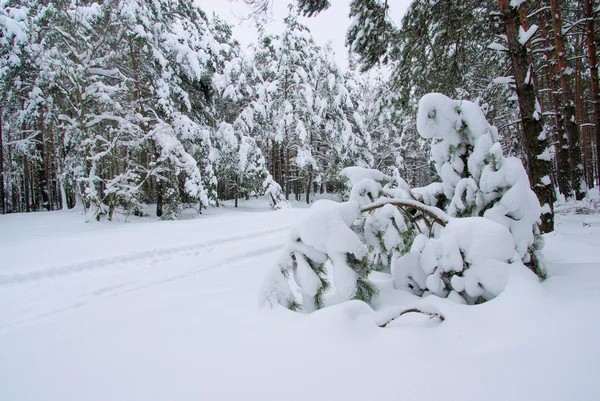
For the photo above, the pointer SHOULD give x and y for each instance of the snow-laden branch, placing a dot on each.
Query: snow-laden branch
(436, 214)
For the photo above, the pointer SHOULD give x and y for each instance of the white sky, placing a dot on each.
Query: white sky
(328, 25)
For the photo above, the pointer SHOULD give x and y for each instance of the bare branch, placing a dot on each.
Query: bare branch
(432, 315)
(437, 215)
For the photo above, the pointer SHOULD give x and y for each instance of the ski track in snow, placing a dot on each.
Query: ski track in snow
(231, 249)
(154, 255)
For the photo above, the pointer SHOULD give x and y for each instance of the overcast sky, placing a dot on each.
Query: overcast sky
(329, 25)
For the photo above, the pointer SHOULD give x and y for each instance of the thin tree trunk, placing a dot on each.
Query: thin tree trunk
(49, 169)
(571, 126)
(64, 203)
(594, 85)
(561, 144)
(583, 120)
(159, 198)
(287, 173)
(309, 184)
(236, 190)
(41, 171)
(26, 177)
(137, 95)
(2, 203)
(276, 156)
(26, 184)
(536, 143)
(11, 183)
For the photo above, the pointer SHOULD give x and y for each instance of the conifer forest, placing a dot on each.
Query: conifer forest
(298, 200)
(120, 103)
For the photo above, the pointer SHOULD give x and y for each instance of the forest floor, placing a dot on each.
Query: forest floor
(153, 310)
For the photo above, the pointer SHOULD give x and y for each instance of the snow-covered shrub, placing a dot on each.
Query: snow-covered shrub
(386, 231)
(122, 192)
(468, 262)
(459, 238)
(477, 179)
(274, 194)
(173, 205)
(322, 243)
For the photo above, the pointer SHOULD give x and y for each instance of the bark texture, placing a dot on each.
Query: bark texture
(536, 144)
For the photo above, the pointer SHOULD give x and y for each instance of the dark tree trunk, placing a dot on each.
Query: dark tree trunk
(535, 138)
(286, 172)
(41, 173)
(309, 184)
(582, 118)
(594, 86)
(26, 184)
(561, 144)
(11, 184)
(2, 204)
(236, 191)
(568, 103)
(159, 198)
(50, 170)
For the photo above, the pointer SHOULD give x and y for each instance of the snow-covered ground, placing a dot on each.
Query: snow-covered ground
(153, 310)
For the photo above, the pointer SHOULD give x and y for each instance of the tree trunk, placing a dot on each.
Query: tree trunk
(26, 184)
(568, 103)
(277, 164)
(41, 178)
(49, 169)
(159, 198)
(11, 186)
(64, 203)
(561, 145)
(582, 118)
(236, 194)
(287, 172)
(594, 86)
(2, 204)
(309, 184)
(536, 143)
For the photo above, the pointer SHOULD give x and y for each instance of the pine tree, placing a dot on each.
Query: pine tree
(568, 102)
(385, 226)
(536, 139)
(594, 83)
(110, 101)
(285, 63)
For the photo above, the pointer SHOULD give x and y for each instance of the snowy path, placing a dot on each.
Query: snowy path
(42, 292)
(113, 276)
(167, 311)
(148, 256)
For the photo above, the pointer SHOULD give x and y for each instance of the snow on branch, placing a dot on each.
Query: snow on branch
(435, 213)
(486, 213)
(525, 35)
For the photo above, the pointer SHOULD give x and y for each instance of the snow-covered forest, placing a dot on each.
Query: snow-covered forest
(123, 103)
(365, 230)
